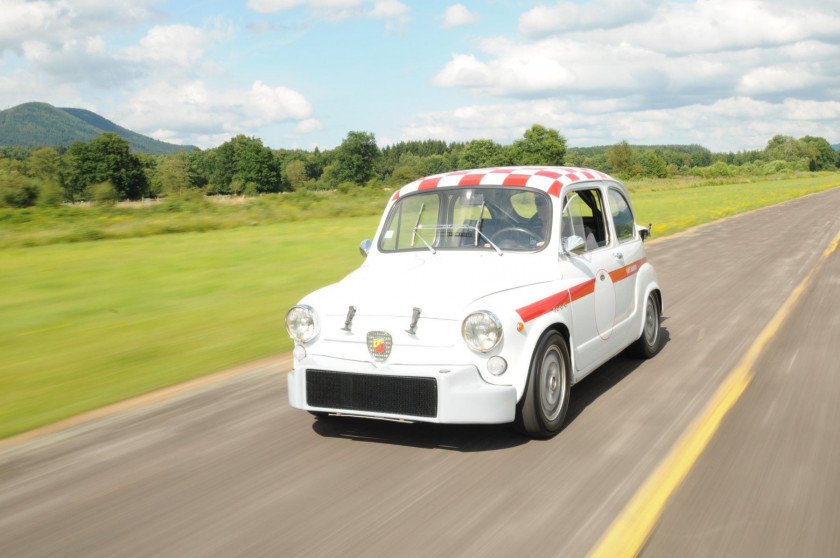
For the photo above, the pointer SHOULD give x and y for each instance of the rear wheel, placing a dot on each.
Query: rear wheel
(543, 407)
(651, 340)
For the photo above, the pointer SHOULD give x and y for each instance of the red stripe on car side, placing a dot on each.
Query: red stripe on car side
(546, 305)
(580, 291)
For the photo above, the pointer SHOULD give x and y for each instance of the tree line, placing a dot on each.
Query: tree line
(104, 170)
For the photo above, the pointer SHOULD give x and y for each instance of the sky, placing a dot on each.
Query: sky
(725, 74)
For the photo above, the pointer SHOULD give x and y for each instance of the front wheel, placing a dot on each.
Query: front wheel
(543, 406)
(651, 339)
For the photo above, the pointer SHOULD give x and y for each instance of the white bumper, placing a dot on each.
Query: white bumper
(462, 397)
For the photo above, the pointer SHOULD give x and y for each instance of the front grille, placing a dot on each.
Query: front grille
(398, 395)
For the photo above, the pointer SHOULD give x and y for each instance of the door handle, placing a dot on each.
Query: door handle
(618, 255)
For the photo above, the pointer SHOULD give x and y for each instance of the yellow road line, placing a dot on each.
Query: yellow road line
(631, 529)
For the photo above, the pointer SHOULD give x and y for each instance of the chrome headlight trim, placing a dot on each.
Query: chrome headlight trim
(482, 331)
(302, 323)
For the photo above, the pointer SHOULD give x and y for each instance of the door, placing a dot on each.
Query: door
(592, 294)
(629, 256)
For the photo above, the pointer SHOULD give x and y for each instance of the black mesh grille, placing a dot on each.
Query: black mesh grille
(399, 395)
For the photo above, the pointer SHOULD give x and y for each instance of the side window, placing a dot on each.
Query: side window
(583, 216)
(621, 215)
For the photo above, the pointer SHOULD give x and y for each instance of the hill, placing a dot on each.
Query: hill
(836, 146)
(34, 124)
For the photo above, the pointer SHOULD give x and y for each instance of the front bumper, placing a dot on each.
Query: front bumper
(462, 396)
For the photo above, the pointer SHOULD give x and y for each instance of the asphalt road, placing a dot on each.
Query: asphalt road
(232, 470)
(769, 483)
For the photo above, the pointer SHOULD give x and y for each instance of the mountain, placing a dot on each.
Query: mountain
(32, 124)
(836, 146)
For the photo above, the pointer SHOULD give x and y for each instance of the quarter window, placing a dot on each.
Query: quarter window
(583, 216)
(621, 215)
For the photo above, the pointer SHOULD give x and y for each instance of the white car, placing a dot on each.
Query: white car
(485, 295)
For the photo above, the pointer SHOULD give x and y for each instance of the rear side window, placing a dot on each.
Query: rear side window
(583, 216)
(622, 216)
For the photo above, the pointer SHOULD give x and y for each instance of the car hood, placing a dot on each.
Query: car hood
(441, 285)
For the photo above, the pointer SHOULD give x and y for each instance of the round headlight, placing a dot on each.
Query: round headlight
(301, 323)
(482, 331)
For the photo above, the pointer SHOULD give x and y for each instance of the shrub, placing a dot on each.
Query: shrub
(16, 190)
(103, 193)
(50, 195)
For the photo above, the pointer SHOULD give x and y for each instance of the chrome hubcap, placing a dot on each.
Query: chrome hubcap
(553, 383)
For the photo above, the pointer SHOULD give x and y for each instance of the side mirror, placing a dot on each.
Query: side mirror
(364, 247)
(574, 245)
(644, 232)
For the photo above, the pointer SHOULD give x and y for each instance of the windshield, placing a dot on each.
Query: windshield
(499, 219)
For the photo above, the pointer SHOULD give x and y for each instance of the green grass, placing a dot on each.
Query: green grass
(676, 209)
(41, 226)
(86, 324)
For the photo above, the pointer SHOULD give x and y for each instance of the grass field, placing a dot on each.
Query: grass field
(90, 323)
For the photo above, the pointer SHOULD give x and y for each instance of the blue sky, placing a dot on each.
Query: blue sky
(727, 74)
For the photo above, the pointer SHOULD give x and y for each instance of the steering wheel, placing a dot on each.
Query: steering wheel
(513, 229)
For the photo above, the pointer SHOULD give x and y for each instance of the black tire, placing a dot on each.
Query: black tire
(649, 343)
(542, 409)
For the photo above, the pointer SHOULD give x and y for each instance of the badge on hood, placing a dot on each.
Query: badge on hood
(379, 345)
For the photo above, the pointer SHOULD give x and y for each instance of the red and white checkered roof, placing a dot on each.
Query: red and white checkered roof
(547, 179)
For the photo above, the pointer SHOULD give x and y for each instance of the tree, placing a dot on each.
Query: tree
(482, 153)
(173, 174)
(43, 164)
(784, 148)
(246, 160)
(104, 159)
(654, 165)
(296, 173)
(821, 155)
(540, 146)
(356, 158)
(620, 157)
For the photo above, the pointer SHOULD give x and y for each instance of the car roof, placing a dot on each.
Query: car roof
(545, 178)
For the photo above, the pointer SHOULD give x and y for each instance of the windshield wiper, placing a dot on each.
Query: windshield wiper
(478, 224)
(417, 225)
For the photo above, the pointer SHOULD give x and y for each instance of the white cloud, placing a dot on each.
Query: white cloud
(684, 52)
(194, 111)
(725, 25)
(181, 44)
(79, 61)
(597, 14)
(56, 22)
(392, 12)
(727, 124)
(458, 15)
(308, 125)
(22, 86)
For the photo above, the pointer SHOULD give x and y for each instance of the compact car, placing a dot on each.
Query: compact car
(485, 295)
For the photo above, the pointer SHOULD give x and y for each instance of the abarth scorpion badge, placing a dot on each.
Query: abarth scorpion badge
(379, 345)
